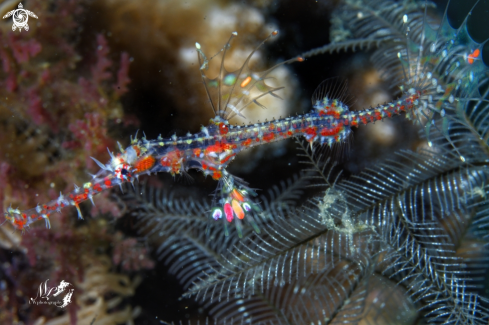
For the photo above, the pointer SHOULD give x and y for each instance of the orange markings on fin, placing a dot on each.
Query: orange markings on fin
(245, 82)
(473, 55)
(236, 195)
(238, 210)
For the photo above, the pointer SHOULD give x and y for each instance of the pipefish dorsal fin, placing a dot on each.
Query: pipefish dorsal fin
(233, 91)
(332, 88)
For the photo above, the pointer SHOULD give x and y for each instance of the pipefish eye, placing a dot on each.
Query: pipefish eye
(124, 171)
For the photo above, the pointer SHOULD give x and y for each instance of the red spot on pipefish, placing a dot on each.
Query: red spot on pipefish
(172, 159)
(311, 132)
(219, 147)
(226, 159)
(247, 142)
(216, 175)
(333, 113)
(223, 128)
(331, 131)
(268, 137)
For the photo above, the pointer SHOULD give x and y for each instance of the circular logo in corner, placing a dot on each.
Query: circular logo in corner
(20, 17)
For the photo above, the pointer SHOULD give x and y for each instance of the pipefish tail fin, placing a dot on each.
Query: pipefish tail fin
(232, 91)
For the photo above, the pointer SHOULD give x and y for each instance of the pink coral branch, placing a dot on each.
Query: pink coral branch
(5, 60)
(91, 134)
(37, 111)
(131, 255)
(99, 71)
(11, 81)
(4, 169)
(23, 50)
(123, 79)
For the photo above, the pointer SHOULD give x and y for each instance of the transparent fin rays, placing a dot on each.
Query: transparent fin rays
(233, 91)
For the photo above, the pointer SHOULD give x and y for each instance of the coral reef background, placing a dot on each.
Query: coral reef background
(90, 73)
